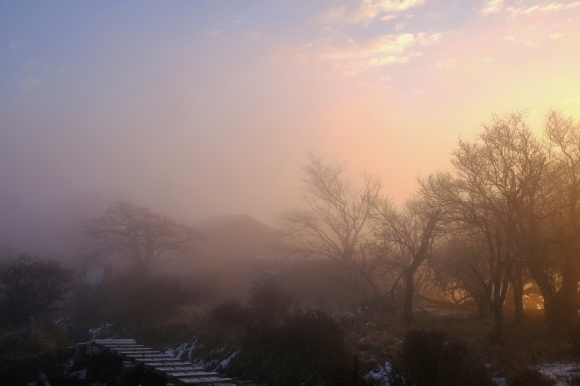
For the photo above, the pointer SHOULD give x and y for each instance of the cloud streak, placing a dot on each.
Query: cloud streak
(353, 57)
(491, 7)
(497, 6)
(542, 8)
(369, 10)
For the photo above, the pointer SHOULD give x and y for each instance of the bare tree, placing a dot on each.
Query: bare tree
(554, 228)
(140, 237)
(460, 270)
(32, 287)
(334, 225)
(410, 233)
(496, 177)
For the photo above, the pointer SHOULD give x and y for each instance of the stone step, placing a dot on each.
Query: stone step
(205, 381)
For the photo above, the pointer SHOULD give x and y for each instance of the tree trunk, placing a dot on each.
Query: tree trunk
(549, 312)
(542, 279)
(564, 307)
(566, 301)
(559, 311)
(482, 304)
(496, 309)
(518, 286)
(408, 300)
(500, 287)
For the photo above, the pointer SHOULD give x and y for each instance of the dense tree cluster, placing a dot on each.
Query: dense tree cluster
(504, 218)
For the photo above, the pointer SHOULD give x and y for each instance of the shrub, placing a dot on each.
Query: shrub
(268, 302)
(138, 305)
(282, 344)
(48, 342)
(90, 304)
(31, 287)
(305, 346)
(432, 358)
(138, 298)
(231, 312)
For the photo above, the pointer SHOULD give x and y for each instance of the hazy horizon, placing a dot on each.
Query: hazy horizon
(206, 108)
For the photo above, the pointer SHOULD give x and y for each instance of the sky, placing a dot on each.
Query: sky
(198, 108)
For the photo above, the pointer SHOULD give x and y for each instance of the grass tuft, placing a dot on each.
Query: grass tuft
(49, 342)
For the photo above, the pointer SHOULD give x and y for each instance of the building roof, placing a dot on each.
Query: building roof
(237, 236)
(217, 223)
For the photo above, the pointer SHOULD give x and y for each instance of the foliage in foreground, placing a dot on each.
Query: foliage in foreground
(31, 287)
(48, 342)
(142, 307)
(433, 358)
(283, 344)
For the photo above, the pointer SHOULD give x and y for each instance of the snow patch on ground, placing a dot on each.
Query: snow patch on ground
(199, 362)
(80, 374)
(226, 361)
(62, 320)
(95, 332)
(183, 351)
(560, 372)
(380, 374)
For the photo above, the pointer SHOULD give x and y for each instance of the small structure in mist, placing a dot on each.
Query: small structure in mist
(96, 274)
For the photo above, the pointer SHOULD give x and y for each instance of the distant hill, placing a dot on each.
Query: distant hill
(237, 236)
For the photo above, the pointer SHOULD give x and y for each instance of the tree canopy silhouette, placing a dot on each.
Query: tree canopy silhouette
(334, 224)
(31, 287)
(139, 236)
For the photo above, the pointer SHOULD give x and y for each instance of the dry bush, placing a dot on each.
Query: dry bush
(433, 358)
(31, 287)
(231, 312)
(130, 298)
(91, 304)
(139, 306)
(190, 316)
(48, 342)
(267, 304)
(268, 301)
(283, 344)
(304, 346)
(152, 297)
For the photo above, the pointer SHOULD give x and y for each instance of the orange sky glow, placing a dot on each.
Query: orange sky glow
(207, 108)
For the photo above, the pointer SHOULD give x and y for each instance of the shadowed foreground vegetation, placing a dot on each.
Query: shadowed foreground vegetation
(274, 339)
(23, 358)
